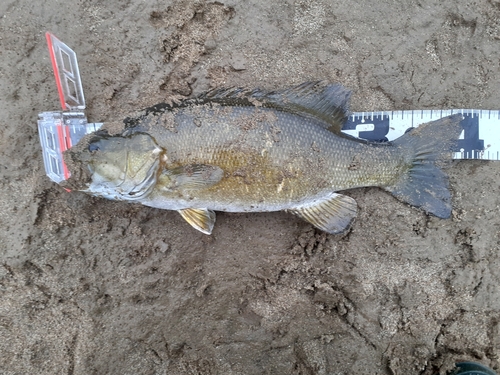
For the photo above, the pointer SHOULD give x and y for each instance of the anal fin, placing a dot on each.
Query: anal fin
(202, 219)
(332, 215)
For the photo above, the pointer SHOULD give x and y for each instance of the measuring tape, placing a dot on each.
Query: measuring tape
(480, 138)
(60, 130)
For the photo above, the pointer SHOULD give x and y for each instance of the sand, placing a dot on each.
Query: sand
(89, 286)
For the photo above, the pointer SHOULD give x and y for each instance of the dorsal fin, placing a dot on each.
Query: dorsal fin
(319, 99)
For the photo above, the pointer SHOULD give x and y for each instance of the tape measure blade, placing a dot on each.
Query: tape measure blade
(479, 140)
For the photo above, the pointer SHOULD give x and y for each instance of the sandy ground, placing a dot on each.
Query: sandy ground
(89, 286)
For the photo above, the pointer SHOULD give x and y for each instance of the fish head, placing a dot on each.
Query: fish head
(122, 167)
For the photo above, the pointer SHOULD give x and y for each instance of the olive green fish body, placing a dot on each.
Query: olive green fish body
(271, 160)
(241, 151)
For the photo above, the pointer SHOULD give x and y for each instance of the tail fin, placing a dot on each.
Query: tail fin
(425, 185)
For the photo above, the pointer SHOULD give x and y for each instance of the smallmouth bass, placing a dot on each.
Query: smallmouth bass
(240, 150)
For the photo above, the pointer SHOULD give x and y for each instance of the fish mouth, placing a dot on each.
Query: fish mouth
(125, 188)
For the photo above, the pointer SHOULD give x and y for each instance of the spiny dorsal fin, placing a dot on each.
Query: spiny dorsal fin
(319, 99)
(327, 102)
(332, 215)
(202, 219)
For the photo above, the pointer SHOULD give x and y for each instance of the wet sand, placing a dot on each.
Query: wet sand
(89, 286)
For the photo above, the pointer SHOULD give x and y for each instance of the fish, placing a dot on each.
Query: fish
(254, 150)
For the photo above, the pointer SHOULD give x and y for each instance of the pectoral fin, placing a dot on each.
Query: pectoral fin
(332, 215)
(193, 176)
(202, 219)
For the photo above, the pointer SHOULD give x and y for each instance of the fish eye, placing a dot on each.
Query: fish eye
(93, 147)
